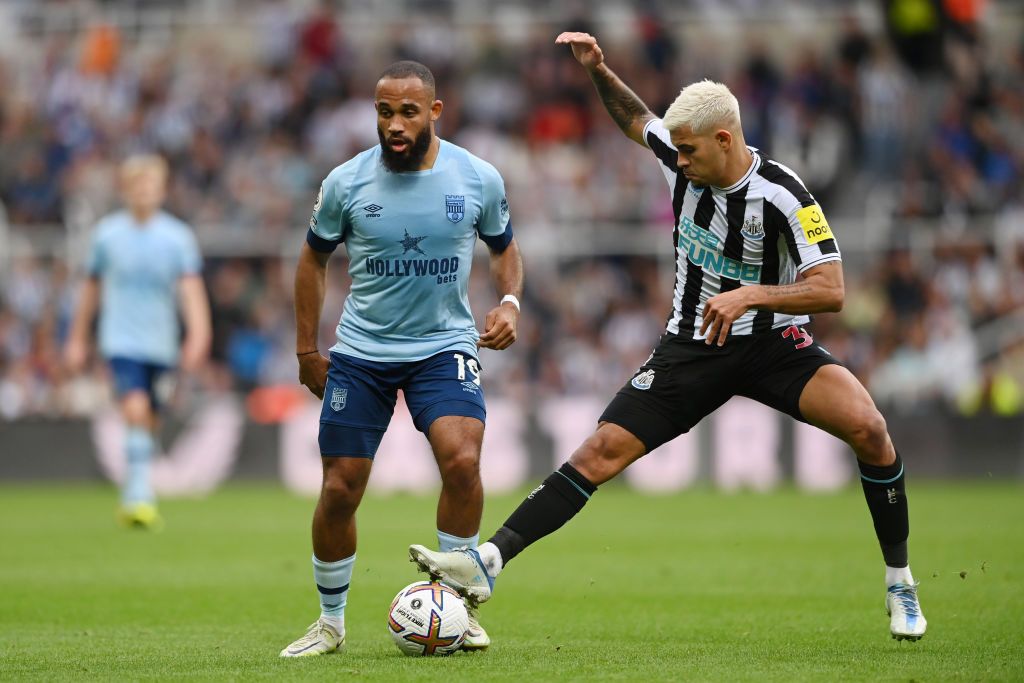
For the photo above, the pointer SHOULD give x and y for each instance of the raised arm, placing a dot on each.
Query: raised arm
(310, 283)
(627, 110)
(507, 274)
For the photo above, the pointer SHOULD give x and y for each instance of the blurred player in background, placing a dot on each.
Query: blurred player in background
(409, 212)
(745, 227)
(143, 263)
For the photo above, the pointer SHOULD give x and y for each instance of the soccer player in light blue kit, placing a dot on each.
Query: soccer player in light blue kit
(409, 212)
(141, 264)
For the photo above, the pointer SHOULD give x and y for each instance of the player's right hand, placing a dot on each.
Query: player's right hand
(76, 355)
(194, 353)
(313, 373)
(584, 48)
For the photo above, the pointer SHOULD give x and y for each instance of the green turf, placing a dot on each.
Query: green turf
(696, 586)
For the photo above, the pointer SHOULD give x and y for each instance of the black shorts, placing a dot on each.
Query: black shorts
(684, 380)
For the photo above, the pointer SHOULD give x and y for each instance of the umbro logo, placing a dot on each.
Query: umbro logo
(372, 210)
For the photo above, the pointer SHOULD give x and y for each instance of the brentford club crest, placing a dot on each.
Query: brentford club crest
(455, 206)
(339, 397)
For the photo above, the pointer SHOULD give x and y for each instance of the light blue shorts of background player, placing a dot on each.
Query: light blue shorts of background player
(360, 397)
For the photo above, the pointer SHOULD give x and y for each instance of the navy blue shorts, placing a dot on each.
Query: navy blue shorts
(136, 375)
(360, 397)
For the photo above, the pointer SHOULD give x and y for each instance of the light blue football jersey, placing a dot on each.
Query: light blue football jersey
(139, 267)
(410, 239)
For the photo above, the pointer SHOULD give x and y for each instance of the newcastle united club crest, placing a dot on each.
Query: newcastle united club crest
(753, 228)
(455, 204)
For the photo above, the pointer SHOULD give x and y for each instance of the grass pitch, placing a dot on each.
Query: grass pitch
(693, 586)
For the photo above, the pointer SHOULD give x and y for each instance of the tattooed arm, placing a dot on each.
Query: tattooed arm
(627, 110)
(821, 290)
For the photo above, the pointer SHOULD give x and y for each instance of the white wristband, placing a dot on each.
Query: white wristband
(511, 298)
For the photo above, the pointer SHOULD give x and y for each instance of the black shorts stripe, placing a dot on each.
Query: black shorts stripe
(773, 173)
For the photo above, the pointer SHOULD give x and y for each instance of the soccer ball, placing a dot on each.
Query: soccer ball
(428, 618)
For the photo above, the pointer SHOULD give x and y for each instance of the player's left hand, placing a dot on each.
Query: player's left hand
(720, 312)
(499, 328)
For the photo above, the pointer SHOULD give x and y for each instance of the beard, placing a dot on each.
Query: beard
(411, 158)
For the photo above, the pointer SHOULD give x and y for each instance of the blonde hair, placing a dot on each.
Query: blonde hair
(140, 163)
(703, 106)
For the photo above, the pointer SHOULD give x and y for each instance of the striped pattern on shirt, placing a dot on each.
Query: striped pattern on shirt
(764, 229)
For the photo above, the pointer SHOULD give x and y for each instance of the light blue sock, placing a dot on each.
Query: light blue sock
(447, 542)
(138, 448)
(332, 580)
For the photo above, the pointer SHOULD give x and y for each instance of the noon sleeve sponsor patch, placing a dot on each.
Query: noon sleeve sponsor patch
(813, 223)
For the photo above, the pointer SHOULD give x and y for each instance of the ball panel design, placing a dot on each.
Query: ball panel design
(428, 618)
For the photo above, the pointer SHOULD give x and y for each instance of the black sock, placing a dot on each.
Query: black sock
(887, 500)
(545, 510)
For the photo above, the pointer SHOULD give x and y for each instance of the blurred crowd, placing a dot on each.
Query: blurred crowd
(915, 122)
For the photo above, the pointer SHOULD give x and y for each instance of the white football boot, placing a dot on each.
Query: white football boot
(476, 636)
(906, 620)
(462, 569)
(320, 639)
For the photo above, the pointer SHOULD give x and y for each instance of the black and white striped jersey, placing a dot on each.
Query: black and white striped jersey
(764, 229)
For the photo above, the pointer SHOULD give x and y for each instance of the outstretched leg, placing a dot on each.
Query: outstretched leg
(548, 507)
(835, 401)
(607, 452)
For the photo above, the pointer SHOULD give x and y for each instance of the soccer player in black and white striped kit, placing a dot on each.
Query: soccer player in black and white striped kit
(746, 228)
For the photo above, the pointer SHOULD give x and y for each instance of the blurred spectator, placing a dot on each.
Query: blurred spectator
(925, 117)
(996, 392)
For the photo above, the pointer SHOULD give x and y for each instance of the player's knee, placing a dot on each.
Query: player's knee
(870, 437)
(599, 459)
(136, 409)
(340, 494)
(462, 470)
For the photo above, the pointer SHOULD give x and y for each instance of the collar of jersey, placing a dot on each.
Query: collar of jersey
(149, 222)
(754, 165)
